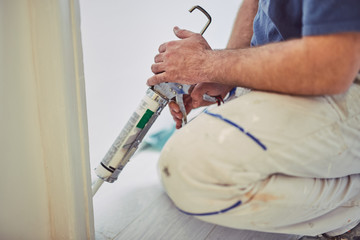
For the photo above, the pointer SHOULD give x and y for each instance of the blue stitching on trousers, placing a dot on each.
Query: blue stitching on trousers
(211, 213)
(238, 127)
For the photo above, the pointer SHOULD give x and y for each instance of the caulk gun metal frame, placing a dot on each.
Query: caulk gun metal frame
(150, 107)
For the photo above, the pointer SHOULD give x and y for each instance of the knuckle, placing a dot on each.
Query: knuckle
(172, 106)
(170, 44)
(157, 58)
(162, 46)
(153, 68)
(167, 55)
(160, 78)
(181, 31)
(155, 80)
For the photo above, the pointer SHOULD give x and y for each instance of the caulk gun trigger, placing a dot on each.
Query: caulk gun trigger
(180, 101)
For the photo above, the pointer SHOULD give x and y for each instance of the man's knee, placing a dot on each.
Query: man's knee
(177, 173)
(198, 182)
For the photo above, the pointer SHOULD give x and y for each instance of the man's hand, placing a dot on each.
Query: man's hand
(176, 112)
(195, 99)
(211, 89)
(182, 61)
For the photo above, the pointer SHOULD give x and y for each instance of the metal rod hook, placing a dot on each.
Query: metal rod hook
(206, 14)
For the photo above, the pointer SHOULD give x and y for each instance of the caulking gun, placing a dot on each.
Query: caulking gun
(150, 107)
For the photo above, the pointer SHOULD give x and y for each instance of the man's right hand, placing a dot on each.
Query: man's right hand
(195, 99)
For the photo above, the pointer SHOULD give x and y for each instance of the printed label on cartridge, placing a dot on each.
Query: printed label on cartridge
(145, 118)
(123, 143)
(119, 142)
(127, 129)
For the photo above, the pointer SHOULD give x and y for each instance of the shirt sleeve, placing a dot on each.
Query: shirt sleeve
(330, 16)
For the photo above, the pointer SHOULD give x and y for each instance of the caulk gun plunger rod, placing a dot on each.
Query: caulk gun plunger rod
(96, 185)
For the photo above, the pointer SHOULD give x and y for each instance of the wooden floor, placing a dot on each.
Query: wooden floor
(136, 207)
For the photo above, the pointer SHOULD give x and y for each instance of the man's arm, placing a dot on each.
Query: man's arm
(243, 26)
(309, 66)
(312, 65)
(315, 65)
(240, 37)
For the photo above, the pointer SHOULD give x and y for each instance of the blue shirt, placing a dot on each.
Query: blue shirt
(279, 20)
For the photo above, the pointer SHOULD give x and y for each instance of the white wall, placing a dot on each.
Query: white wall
(45, 175)
(120, 40)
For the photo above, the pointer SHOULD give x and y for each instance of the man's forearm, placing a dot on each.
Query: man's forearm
(309, 66)
(243, 26)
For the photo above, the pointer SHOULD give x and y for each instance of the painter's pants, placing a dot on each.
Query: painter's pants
(270, 162)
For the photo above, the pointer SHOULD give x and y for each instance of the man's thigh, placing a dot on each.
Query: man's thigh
(266, 133)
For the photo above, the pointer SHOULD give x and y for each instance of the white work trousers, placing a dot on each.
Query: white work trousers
(270, 162)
